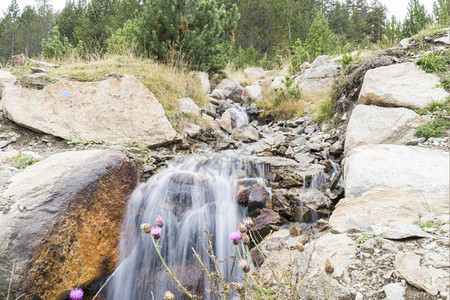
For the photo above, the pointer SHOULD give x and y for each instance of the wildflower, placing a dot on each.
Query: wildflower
(244, 266)
(235, 236)
(76, 294)
(328, 267)
(248, 222)
(159, 221)
(242, 228)
(169, 296)
(145, 227)
(246, 239)
(156, 232)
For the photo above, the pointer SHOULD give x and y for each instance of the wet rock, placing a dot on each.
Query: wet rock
(401, 85)
(258, 198)
(431, 280)
(246, 134)
(380, 125)
(187, 106)
(64, 227)
(114, 110)
(313, 199)
(252, 109)
(395, 167)
(281, 204)
(266, 219)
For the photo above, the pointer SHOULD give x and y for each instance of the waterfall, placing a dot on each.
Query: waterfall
(201, 189)
(239, 115)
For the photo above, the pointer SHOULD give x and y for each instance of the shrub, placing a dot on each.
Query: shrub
(58, 47)
(347, 58)
(299, 55)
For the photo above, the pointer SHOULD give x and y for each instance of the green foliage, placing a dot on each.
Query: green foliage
(10, 136)
(299, 55)
(445, 82)
(347, 58)
(325, 109)
(124, 40)
(252, 57)
(434, 106)
(320, 38)
(416, 19)
(73, 143)
(364, 237)
(441, 11)
(393, 31)
(432, 63)
(426, 224)
(290, 93)
(437, 128)
(59, 47)
(199, 33)
(22, 161)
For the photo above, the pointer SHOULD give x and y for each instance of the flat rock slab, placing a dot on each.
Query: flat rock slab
(370, 124)
(431, 280)
(114, 110)
(401, 85)
(367, 213)
(61, 221)
(395, 167)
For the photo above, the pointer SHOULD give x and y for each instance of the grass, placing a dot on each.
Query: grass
(440, 125)
(167, 83)
(432, 63)
(325, 109)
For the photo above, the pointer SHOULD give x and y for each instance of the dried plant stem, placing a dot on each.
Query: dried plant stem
(106, 282)
(210, 279)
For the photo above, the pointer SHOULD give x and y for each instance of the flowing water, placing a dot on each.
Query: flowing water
(239, 115)
(201, 189)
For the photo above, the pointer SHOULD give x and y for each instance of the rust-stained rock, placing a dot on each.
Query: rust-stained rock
(62, 227)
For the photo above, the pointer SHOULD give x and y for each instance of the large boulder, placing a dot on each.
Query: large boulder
(371, 124)
(395, 167)
(401, 85)
(246, 134)
(232, 90)
(368, 212)
(61, 221)
(114, 110)
(317, 80)
(6, 79)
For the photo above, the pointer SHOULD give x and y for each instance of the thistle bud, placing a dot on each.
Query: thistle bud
(246, 239)
(300, 247)
(328, 267)
(146, 228)
(242, 228)
(156, 232)
(248, 222)
(244, 266)
(169, 296)
(159, 221)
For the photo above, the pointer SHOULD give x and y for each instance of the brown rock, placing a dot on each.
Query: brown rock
(63, 228)
(258, 198)
(337, 148)
(266, 219)
(114, 110)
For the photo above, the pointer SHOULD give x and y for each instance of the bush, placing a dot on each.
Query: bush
(347, 58)
(58, 47)
(251, 57)
(299, 56)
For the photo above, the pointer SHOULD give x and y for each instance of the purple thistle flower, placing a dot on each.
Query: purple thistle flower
(156, 232)
(76, 294)
(235, 236)
(159, 221)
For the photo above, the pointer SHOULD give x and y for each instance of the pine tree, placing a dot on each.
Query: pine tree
(10, 25)
(441, 11)
(69, 19)
(356, 28)
(416, 18)
(339, 19)
(28, 41)
(198, 31)
(375, 21)
(320, 39)
(394, 30)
